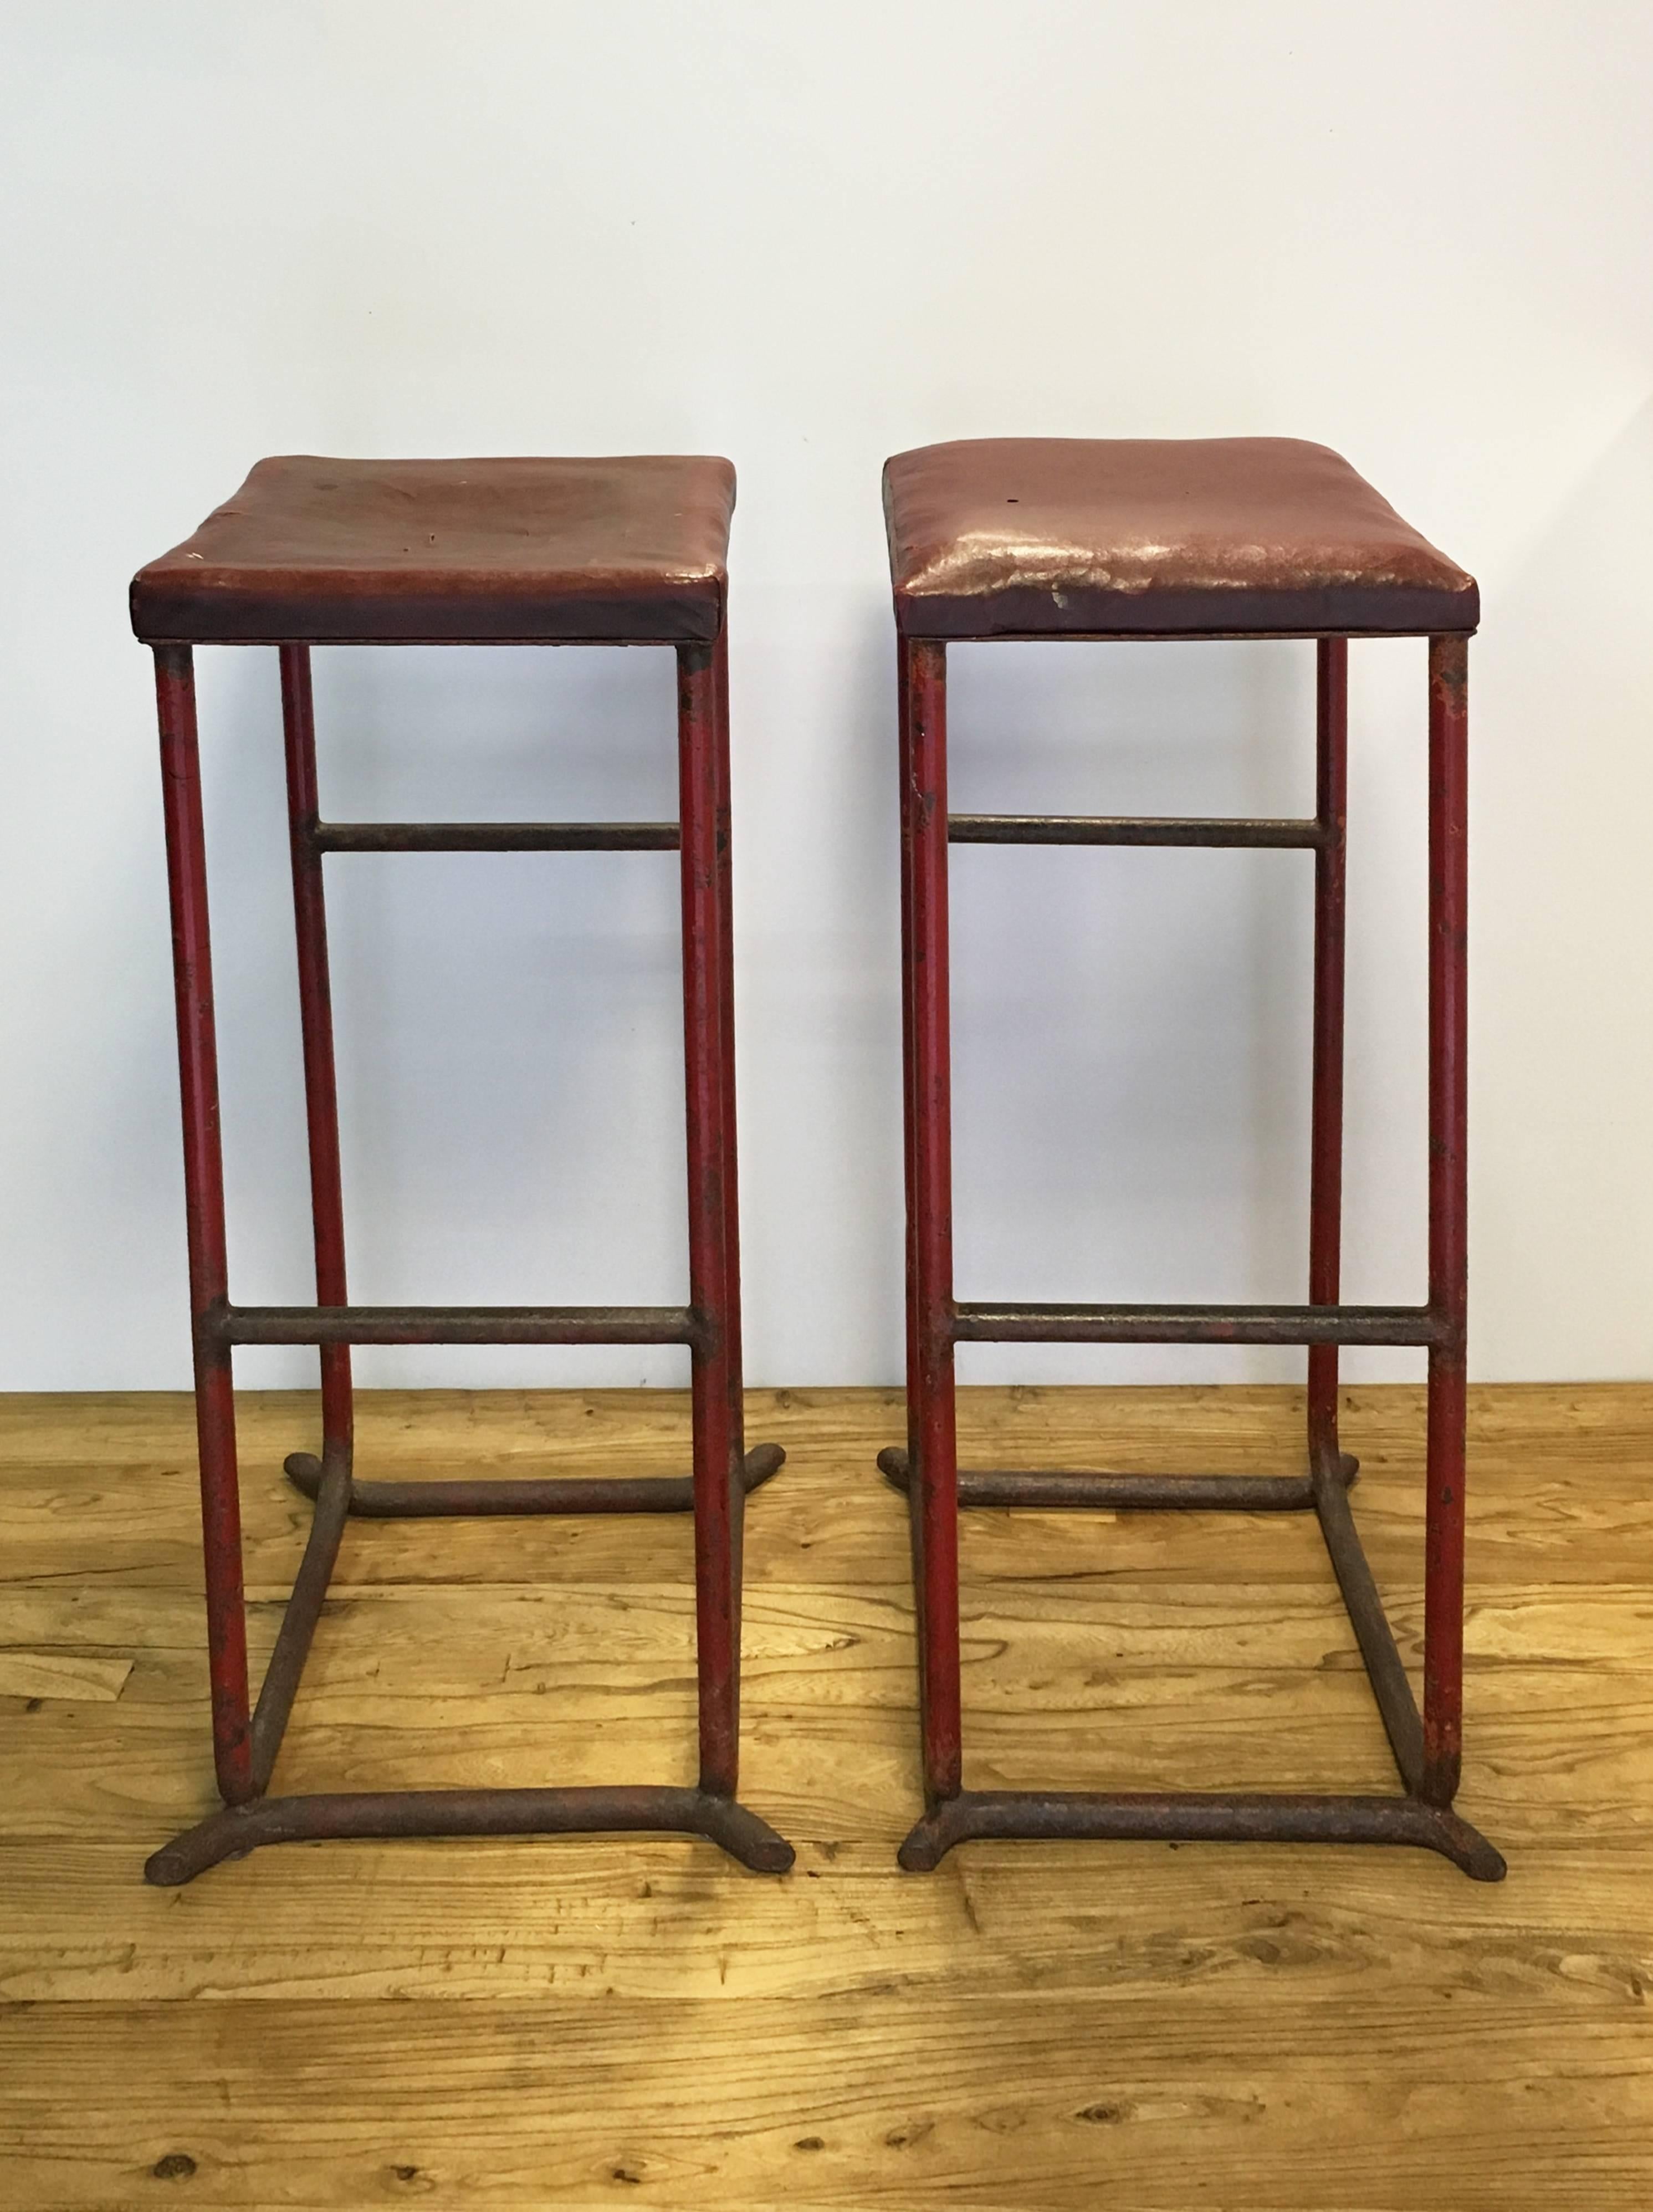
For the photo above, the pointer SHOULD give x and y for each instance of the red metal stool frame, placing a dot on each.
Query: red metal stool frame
(246, 1742)
(1426, 1746)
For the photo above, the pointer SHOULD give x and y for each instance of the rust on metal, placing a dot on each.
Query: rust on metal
(724, 1472)
(702, 747)
(1385, 1670)
(316, 1031)
(203, 1199)
(1132, 829)
(228, 1324)
(1192, 1816)
(932, 1433)
(1326, 1079)
(1426, 1746)
(621, 1810)
(1084, 1489)
(1449, 1213)
(1193, 1324)
(515, 1495)
(281, 1680)
(491, 836)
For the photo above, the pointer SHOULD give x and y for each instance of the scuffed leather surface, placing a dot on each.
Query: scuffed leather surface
(1152, 536)
(451, 551)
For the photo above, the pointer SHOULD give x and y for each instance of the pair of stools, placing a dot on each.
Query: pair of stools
(1012, 538)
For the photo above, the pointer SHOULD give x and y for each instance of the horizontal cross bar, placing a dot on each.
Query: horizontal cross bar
(1030, 1324)
(1126, 829)
(494, 836)
(452, 1325)
(1066, 1488)
(518, 1494)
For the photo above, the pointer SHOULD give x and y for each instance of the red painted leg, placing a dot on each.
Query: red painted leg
(1448, 1212)
(726, 988)
(909, 1123)
(930, 1380)
(731, 1170)
(1326, 1170)
(203, 1193)
(316, 1022)
(706, 1032)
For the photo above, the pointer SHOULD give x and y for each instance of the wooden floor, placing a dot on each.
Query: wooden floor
(587, 2022)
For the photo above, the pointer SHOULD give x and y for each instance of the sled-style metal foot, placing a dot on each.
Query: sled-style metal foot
(237, 1830)
(1191, 1817)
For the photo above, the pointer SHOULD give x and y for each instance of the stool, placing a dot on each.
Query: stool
(310, 551)
(1197, 538)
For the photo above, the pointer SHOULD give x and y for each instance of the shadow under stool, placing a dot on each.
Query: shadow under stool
(544, 551)
(1135, 538)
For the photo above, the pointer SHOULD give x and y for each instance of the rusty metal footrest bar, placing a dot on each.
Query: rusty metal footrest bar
(492, 837)
(453, 1325)
(1133, 830)
(1065, 1490)
(1184, 1324)
(1192, 1817)
(239, 1829)
(397, 1501)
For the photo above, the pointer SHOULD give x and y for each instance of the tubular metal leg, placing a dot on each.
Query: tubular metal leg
(930, 1383)
(731, 1183)
(1448, 1197)
(707, 1029)
(908, 1459)
(1326, 1140)
(203, 1199)
(725, 892)
(316, 1023)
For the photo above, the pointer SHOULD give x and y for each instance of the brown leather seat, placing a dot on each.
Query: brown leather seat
(451, 552)
(1156, 537)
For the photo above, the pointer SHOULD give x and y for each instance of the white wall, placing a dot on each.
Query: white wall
(807, 237)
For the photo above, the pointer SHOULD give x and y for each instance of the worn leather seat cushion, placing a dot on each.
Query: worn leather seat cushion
(1155, 536)
(452, 552)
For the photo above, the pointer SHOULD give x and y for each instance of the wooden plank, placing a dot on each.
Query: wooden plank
(136, 1525)
(1076, 2098)
(1551, 1753)
(1572, 1931)
(81, 1676)
(456, 1636)
(1594, 1425)
(559, 2021)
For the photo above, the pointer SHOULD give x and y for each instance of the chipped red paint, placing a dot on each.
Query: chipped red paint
(702, 748)
(932, 1439)
(1426, 1746)
(203, 1194)
(1325, 1122)
(316, 1028)
(709, 1326)
(1448, 1213)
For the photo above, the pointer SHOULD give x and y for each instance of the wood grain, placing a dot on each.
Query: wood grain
(583, 2022)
